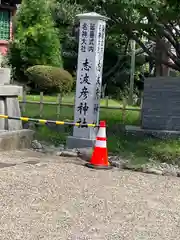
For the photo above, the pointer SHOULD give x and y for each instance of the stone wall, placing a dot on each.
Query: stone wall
(161, 104)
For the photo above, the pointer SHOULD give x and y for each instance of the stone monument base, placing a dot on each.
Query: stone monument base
(9, 105)
(15, 140)
(75, 142)
(164, 134)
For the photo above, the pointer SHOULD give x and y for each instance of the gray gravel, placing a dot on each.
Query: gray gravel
(59, 198)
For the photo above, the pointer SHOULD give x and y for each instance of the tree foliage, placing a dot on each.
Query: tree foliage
(64, 14)
(36, 40)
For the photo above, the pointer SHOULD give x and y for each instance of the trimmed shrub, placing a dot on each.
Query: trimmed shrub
(50, 79)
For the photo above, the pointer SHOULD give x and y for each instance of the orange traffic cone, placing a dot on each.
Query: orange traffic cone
(99, 159)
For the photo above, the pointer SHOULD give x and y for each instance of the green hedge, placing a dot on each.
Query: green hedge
(50, 79)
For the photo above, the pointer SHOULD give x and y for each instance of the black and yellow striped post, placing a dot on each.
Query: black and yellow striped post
(44, 121)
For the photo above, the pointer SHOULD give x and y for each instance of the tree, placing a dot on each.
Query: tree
(157, 21)
(117, 55)
(64, 12)
(36, 39)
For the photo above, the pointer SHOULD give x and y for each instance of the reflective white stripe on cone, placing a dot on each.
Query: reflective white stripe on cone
(101, 144)
(101, 132)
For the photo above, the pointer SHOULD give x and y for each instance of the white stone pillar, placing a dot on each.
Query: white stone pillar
(89, 77)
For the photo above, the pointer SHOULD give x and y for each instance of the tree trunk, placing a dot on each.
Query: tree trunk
(103, 90)
(160, 69)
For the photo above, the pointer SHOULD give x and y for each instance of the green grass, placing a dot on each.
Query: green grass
(144, 149)
(137, 149)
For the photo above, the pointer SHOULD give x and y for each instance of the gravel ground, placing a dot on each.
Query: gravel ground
(59, 198)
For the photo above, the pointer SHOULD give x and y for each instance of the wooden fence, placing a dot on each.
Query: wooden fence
(59, 103)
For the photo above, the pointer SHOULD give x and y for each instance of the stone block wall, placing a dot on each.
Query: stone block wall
(9, 104)
(161, 104)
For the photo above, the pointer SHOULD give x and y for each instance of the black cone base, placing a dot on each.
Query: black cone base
(89, 165)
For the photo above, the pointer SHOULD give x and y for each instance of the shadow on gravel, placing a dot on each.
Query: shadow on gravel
(76, 161)
(4, 165)
(32, 162)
